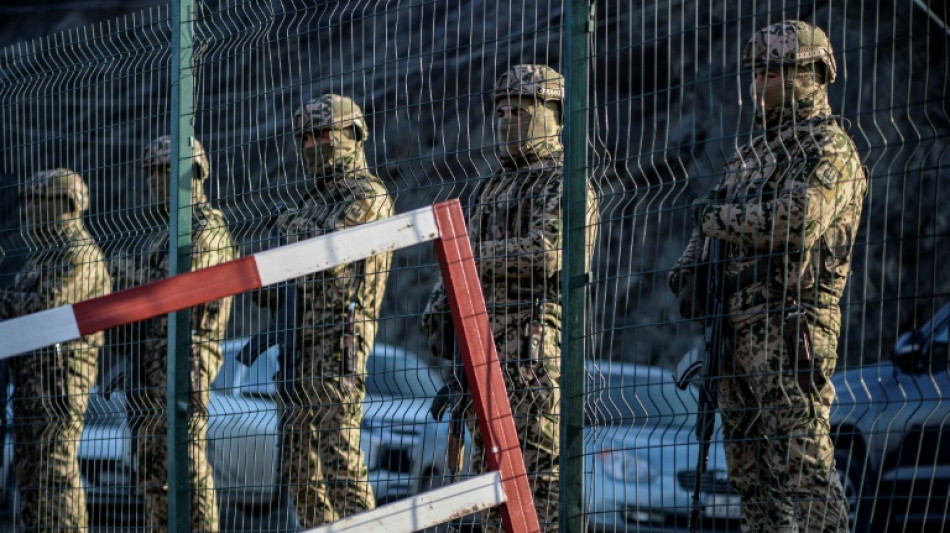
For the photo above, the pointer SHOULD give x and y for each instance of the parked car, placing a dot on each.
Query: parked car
(891, 426)
(641, 454)
(405, 450)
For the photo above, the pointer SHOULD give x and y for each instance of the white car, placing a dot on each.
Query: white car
(405, 449)
(641, 454)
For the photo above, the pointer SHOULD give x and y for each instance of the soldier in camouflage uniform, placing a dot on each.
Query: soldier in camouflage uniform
(211, 244)
(515, 225)
(52, 385)
(786, 210)
(336, 313)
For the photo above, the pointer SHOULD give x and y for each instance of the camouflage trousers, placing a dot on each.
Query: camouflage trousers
(148, 414)
(49, 403)
(534, 392)
(778, 444)
(321, 459)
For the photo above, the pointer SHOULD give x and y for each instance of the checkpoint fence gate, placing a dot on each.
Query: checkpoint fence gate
(444, 223)
(658, 75)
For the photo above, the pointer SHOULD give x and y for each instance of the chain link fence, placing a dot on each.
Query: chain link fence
(310, 401)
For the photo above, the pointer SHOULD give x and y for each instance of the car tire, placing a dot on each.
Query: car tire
(855, 481)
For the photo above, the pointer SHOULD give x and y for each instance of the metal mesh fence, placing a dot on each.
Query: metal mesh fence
(627, 150)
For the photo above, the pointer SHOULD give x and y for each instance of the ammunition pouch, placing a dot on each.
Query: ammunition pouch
(349, 344)
(531, 343)
(798, 344)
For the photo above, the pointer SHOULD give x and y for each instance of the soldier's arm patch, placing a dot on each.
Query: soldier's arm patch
(828, 171)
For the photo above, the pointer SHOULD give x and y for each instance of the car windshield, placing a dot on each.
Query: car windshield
(391, 371)
(643, 398)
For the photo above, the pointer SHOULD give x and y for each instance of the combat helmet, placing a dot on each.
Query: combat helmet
(159, 152)
(539, 81)
(330, 111)
(792, 42)
(60, 182)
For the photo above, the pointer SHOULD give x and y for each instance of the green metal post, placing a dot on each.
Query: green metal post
(578, 19)
(179, 323)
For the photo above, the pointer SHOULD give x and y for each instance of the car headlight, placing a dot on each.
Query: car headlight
(626, 465)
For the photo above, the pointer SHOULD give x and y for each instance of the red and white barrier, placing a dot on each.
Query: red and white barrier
(444, 223)
(69, 322)
(425, 510)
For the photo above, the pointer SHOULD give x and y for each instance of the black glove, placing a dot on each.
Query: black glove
(447, 398)
(703, 204)
(444, 401)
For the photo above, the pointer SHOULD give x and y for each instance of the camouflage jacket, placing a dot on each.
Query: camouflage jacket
(211, 244)
(792, 203)
(338, 202)
(516, 228)
(71, 269)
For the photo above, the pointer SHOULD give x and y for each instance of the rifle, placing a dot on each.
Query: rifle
(456, 447)
(706, 369)
(351, 332)
(451, 395)
(283, 332)
(533, 335)
(350, 340)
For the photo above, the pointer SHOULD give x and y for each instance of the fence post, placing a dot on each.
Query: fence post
(179, 241)
(578, 18)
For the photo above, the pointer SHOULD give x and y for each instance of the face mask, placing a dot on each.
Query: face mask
(769, 93)
(159, 184)
(528, 122)
(805, 85)
(45, 215)
(341, 151)
(159, 179)
(792, 85)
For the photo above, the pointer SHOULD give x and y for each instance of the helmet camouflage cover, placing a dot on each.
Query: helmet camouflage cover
(330, 111)
(60, 182)
(159, 153)
(539, 81)
(792, 42)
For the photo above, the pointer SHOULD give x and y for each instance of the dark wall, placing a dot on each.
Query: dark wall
(665, 113)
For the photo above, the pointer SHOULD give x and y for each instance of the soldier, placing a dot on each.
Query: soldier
(515, 224)
(335, 320)
(211, 244)
(786, 212)
(52, 385)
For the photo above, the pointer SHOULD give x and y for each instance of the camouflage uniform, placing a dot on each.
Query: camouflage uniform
(787, 209)
(335, 319)
(52, 384)
(211, 244)
(515, 225)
